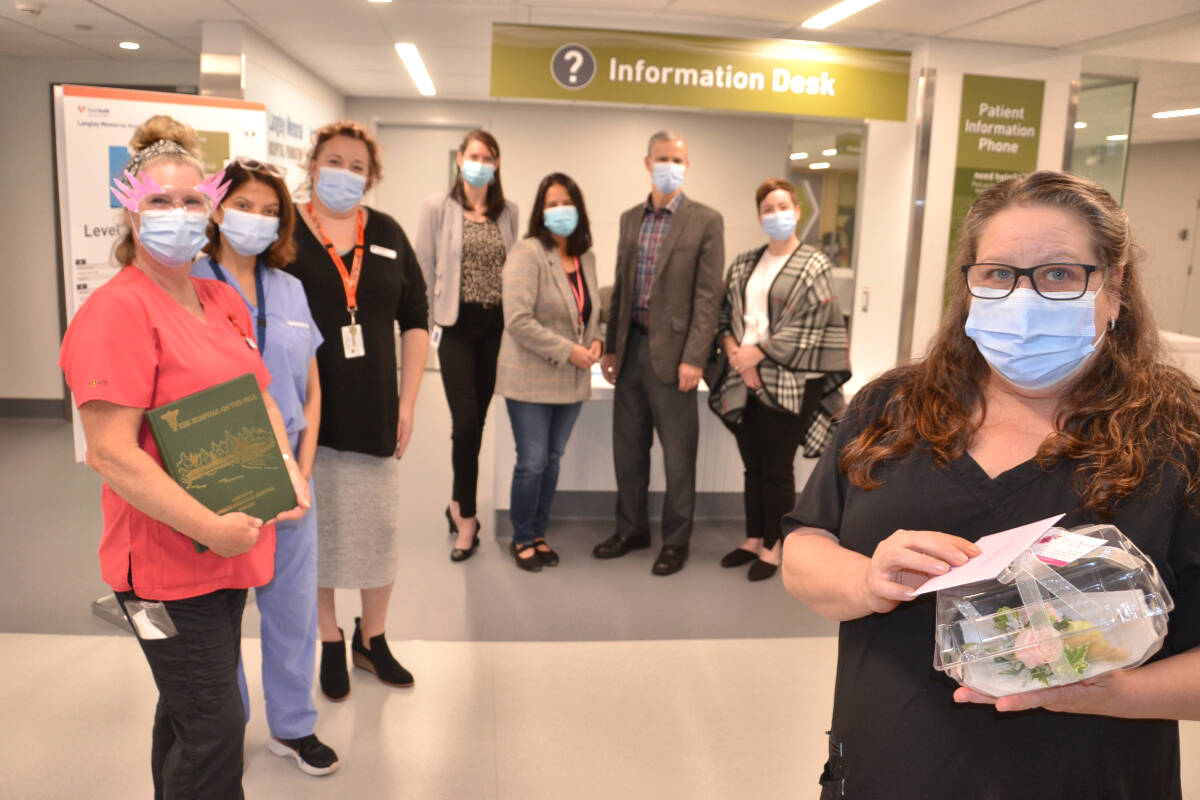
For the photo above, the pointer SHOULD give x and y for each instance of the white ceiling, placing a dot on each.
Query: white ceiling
(349, 42)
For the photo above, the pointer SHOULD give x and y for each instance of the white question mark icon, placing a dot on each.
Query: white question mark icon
(576, 59)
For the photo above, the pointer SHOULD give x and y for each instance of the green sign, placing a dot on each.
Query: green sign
(998, 131)
(775, 76)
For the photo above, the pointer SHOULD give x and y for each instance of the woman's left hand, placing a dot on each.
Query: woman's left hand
(745, 358)
(1101, 695)
(404, 429)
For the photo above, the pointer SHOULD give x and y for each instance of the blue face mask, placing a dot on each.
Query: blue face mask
(780, 225)
(340, 189)
(173, 237)
(561, 220)
(1032, 341)
(667, 176)
(477, 173)
(249, 234)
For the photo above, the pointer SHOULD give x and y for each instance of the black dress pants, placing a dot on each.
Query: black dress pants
(768, 440)
(467, 354)
(199, 724)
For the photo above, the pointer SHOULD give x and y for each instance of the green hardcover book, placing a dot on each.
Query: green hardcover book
(219, 446)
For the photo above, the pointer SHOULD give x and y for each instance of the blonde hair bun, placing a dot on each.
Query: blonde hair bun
(161, 127)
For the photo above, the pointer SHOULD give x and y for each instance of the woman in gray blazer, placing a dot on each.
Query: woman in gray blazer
(463, 237)
(551, 339)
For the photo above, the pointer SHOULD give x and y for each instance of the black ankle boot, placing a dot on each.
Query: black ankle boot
(335, 679)
(378, 659)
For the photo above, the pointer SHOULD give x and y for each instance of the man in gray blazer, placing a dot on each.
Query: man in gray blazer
(665, 300)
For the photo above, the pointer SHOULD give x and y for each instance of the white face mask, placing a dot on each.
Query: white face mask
(249, 234)
(1034, 342)
(667, 176)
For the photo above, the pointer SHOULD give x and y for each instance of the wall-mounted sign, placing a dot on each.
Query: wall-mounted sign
(998, 131)
(771, 75)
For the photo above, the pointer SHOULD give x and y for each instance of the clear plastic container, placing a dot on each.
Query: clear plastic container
(1077, 604)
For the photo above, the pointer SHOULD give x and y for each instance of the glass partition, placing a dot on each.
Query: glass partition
(1103, 124)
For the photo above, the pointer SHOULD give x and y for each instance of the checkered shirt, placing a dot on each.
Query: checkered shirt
(654, 230)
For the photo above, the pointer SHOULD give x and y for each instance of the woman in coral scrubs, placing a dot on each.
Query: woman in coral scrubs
(150, 336)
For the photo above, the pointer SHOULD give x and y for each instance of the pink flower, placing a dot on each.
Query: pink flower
(1033, 653)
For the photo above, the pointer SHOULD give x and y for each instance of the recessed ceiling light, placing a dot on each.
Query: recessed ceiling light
(1117, 137)
(819, 165)
(129, 46)
(1182, 112)
(1080, 125)
(829, 151)
(837, 13)
(379, 1)
(798, 156)
(416, 67)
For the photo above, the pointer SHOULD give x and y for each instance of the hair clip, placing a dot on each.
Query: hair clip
(137, 189)
(213, 188)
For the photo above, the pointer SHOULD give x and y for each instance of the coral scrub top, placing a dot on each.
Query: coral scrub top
(134, 345)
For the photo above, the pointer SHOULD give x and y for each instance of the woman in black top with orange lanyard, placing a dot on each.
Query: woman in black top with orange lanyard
(463, 237)
(361, 277)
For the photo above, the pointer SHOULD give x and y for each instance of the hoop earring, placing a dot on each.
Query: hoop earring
(1112, 323)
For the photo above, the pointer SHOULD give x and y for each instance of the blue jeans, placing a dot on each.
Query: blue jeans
(541, 431)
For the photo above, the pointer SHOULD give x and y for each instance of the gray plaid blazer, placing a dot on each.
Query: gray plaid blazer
(807, 352)
(540, 327)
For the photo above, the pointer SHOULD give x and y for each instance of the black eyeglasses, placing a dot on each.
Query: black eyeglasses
(254, 165)
(1057, 281)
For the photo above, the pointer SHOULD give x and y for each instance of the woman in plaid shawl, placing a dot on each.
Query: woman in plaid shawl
(782, 356)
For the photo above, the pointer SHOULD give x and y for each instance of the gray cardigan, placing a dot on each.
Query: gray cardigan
(439, 251)
(540, 327)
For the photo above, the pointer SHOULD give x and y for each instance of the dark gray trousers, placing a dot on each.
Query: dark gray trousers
(643, 404)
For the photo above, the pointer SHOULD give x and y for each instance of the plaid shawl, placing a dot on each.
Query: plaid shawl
(807, 354)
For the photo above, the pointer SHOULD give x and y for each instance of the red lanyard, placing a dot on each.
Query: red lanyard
(349, 280)
(577, 289)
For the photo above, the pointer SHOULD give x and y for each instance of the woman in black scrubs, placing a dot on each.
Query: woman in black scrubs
(1043, 392)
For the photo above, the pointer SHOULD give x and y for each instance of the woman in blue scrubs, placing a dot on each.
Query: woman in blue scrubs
(250, 239)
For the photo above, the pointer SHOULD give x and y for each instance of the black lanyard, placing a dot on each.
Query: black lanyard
(262, 300)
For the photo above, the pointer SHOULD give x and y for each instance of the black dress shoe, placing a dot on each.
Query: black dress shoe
(760, 570)
(530, 564)
(548, 557)
(335, 680)
(618, 545)
(670, 560)
(379, 659)
(738, 557)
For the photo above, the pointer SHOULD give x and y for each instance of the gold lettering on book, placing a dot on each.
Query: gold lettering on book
(247, 449)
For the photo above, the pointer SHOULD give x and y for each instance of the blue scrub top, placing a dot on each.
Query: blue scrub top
(292, 337)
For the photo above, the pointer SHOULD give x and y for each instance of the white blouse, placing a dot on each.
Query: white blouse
(755, 315)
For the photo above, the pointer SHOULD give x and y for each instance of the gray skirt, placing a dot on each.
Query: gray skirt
(358, 514)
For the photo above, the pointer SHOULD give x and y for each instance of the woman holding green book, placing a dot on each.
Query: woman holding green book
(150, 336)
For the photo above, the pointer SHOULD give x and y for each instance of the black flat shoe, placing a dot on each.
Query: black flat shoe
(618, 545)
(379, 659)
(450, 519)
(738, 557)
(335, 679)
(548, 557)
(760, 570)
(670, 559)
(531, 564)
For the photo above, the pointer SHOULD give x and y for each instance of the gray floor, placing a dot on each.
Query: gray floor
(52, 524)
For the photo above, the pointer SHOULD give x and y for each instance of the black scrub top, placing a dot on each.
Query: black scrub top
(360, 396)
(897, 733)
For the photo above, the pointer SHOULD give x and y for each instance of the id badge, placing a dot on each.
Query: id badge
(435, 336)
(352, 341)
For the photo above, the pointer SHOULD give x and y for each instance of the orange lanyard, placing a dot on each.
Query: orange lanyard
(349, 279)
(577, 289)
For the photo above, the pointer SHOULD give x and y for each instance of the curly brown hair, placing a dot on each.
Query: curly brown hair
(1128, 413)
(353, 130)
